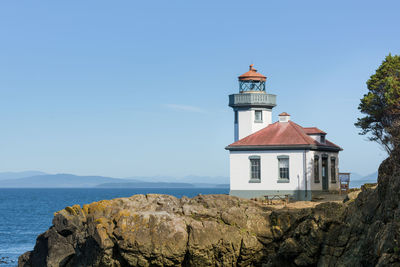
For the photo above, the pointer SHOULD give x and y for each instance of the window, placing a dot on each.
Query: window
(283, 162)
(333, 170)
(322, 138)
(258, 116)
(316, 169)
(236, 117)
(255, 169)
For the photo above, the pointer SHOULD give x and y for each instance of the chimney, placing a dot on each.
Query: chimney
(284, 117)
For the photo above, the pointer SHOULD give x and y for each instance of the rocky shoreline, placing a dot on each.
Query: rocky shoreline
(221, 230)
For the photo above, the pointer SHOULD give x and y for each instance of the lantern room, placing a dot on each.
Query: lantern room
(252, 81)
(252, 106)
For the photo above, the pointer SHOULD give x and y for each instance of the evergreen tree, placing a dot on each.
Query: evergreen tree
(382, 105)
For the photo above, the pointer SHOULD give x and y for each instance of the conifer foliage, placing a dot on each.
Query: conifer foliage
(381, 105)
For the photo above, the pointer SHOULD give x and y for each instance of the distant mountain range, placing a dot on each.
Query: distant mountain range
(193, 179)
(36, 179)
(358, 177)
(16, 175)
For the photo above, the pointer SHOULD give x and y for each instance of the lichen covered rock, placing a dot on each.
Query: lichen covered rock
(161, 230)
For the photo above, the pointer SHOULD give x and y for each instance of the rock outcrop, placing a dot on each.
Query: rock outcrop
(161, 230)
(221, 230)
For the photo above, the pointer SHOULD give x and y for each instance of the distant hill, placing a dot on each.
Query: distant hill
(369, 177)
(203, 185)
(38, 179)
(145, 185)
(193, 179)
(75, 181)
(140, 184)
(17, 175)
(356, 176)
(57, 181)
(357, 180)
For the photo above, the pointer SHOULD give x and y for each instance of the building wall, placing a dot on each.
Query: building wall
(316, 137)
(246, 122)
(318, 186)
(240, 173)
(240, 184)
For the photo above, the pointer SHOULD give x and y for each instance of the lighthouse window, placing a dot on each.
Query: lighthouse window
(255, 169)
(236, 117)
(258, 116)
(333, 170)
(316, 169)
(283, 164)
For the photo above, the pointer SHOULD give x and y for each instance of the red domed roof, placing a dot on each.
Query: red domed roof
(252, 75)
(281, 134)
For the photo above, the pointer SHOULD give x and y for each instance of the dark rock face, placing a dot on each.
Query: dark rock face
(220, 230)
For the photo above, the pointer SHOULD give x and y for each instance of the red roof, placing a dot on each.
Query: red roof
(284, 114)
(313, 130)
(252, 75)
(281, 134)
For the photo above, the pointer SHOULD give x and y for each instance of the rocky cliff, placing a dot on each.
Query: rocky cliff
(220, 230)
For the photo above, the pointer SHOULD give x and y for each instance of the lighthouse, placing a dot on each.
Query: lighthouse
(252, 106)
(276, 159)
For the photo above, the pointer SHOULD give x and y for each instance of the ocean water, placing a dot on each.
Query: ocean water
(25, 213)
(359, 183)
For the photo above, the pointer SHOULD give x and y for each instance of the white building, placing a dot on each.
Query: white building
(276, 158)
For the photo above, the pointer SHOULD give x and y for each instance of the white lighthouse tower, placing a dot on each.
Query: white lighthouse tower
(252, 106)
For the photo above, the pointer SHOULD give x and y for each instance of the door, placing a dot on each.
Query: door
(325, 185)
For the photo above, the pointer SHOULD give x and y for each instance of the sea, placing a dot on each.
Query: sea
(26, 213)
(359, 183)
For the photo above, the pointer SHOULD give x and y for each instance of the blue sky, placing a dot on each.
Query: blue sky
(124, 88)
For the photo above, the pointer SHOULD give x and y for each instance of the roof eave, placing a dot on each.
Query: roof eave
(322, 133)
(284, 147)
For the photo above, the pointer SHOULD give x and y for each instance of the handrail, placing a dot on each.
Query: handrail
(252, 99)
